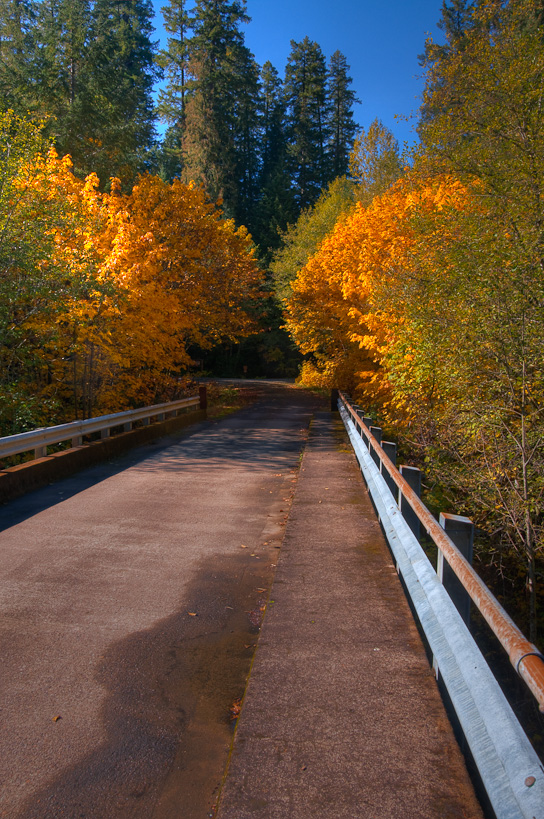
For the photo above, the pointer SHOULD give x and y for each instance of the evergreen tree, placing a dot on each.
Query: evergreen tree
(217, 55)
(308, 117)
(247, 136)
(342, 126)
(276, 207)
(17, 56)
(63, 75)
(122, 56)
(173, 97)
(455, 21)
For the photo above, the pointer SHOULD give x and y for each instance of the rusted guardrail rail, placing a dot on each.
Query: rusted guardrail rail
(509, 767)
(39, 439)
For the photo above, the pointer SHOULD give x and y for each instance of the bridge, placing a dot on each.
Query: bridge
(233, 620)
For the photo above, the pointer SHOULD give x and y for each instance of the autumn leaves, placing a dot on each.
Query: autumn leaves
(104, 293)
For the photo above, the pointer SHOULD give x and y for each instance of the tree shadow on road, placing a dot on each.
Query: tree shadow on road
(168, 706)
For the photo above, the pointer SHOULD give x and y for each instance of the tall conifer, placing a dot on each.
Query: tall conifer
(305, 92)
(124, 72)
(221, 111)
(17, 55)
(276, 206)
(172, 97)
(63, 75)
(342, 127)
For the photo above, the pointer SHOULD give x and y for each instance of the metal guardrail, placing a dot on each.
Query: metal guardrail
(39, 439)
(509, 767)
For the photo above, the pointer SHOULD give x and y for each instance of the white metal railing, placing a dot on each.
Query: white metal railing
(39, 439)
(508, 765)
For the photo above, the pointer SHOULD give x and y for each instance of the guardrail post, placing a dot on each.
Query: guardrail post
(359, 422)
(390, 450)
(77, 440)
(105, 433)
(127, 427)
(461, 531)
(203, 395)
(40, 452)
(377, 433)
(412, 476)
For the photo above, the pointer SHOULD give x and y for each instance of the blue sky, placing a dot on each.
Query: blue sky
(381, 41)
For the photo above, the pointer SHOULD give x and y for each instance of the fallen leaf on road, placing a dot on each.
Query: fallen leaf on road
(56, 719)
(235, 708)
(192, 614)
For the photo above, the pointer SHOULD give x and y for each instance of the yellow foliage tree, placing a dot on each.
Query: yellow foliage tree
(103, 294)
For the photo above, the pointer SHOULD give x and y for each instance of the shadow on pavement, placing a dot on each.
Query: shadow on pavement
(167, 712)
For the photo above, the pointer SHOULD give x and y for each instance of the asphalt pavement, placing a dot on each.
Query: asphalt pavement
(130, 602)
(132, 599)
(342, 718)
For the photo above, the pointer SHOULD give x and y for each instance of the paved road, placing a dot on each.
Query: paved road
(342, 718)
(130, 599)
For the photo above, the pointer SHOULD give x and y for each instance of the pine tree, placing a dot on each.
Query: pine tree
(63, 75)
(172, 98)
(17, 55)
(342, 125)
(305, 92)
(455, 21)
(122, 56)
(247, 136)
(223, 86)
(276, 207)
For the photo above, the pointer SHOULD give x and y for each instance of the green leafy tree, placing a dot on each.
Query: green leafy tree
(486, 128)
(374, 161)
(302, 239)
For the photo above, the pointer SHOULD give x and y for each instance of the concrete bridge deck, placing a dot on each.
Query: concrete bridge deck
(131, 598)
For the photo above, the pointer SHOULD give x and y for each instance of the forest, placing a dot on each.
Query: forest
(266, 233)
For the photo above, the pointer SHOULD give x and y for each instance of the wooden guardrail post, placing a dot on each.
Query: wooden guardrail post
(461, 531)
(412, 476)
(203, 395)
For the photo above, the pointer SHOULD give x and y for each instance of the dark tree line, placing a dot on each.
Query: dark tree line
(266, 146)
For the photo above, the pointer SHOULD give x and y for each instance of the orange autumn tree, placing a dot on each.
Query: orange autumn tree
(185, 276)
(48, 271)
(103, 294)
(341, 312)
